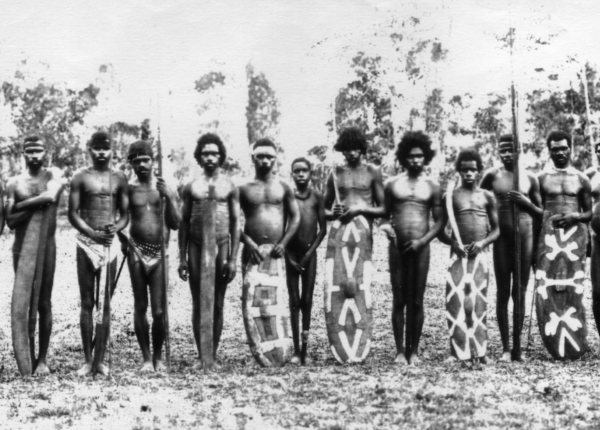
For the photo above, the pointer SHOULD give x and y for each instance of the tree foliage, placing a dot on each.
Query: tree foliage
(50, 110)
(263, 110)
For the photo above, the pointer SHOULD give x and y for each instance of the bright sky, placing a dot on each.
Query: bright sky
(158, 49)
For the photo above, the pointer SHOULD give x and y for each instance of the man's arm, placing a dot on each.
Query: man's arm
(492, 213)
(488, 179)
(122, 202)
(172, 212)
(322, 221)
(14, 218)
(586, 200)
(234, 232)
(184, 229)
(292, 213)
(330, 197)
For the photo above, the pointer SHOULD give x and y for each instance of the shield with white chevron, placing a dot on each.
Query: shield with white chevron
(266, 311)
(466, 306)
(348, 304)
(559, 289)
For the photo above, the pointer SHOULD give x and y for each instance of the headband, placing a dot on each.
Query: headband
(267, 150)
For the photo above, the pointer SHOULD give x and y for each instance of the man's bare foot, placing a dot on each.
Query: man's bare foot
(451, 359)
(485, 360)
(252, 362)
(159, 366)
(148, 367)
(505, 358)
(306, 361)
(85, 370)
(414, 360)
(103, 369)
(400, 359)
(41, 369)
(295, 359)
(198, 365)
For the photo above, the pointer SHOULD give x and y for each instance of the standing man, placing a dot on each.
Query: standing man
(359, 184)
(409, 199)
(567, 203)
(467, 281)
(210, 153)
(93, 209)
(269, 206)
(499, 180)
(144, 251)
(33, 196)
(301, 261)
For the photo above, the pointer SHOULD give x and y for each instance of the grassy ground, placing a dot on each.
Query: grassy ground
(540, 393)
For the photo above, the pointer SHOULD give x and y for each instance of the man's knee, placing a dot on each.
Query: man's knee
(87, 304)
(45, 308)
(158, 314)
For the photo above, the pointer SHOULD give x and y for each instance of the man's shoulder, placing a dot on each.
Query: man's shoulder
(492, 171)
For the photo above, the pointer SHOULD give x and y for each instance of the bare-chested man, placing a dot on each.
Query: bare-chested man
(500, 182)
(593, 173)
(301, 254)
(409, 199)
(474, 209)
(359, 184)
(144, 249)
(37, 189)
(90, 204)
(210, 153)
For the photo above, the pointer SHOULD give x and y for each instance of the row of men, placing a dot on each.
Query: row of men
(102, 202)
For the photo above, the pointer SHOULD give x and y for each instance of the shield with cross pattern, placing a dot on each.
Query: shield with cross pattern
(559, 289)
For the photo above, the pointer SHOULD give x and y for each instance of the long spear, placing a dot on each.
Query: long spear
(163, 258)
(516, 218)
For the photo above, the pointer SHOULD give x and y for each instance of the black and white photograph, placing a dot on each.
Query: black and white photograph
(363, 214)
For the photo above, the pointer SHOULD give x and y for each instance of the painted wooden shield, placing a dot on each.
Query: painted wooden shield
(28, 280)
(559, 290)
(348, 305)
(207, 277)
(466, 306)
(265, 307)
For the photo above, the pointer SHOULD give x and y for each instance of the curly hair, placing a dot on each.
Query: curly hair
(302, 160)
(469, 154)
(204, 140)
(140, 147)
(557, 136)
(351, 138)
(414, 139)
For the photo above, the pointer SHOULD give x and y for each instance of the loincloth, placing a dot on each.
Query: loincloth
(147, 254)
(95, 251)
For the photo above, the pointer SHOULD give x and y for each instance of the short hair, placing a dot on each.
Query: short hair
(557, 136)
(140, 147)
(351, 138)
(506, 138)
(414, 139)
(32, 140)
(99, 137)
(469, 154)
(264, 141)
(206, 139)
(302, 160)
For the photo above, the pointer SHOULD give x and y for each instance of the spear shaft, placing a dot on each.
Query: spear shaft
(163, 257)
(517, 232)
